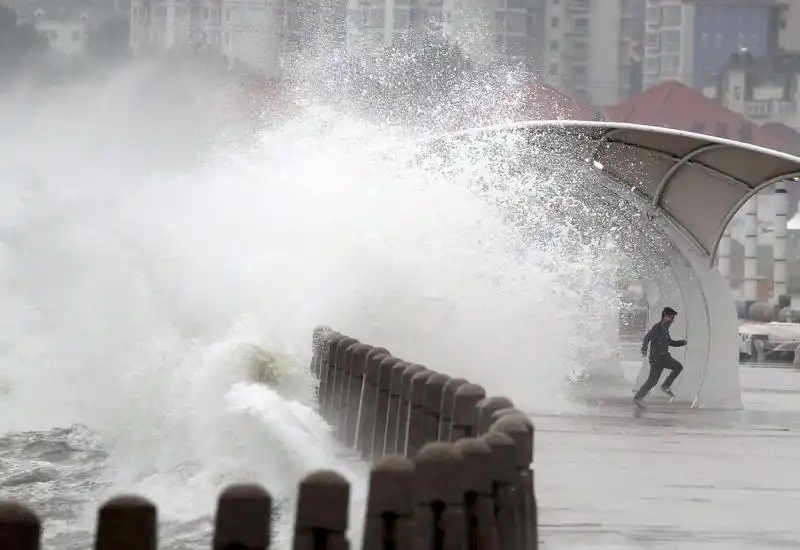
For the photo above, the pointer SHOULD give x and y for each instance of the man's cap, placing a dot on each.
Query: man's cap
(668, 311)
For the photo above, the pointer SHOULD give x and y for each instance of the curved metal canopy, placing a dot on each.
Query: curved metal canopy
(697, 181)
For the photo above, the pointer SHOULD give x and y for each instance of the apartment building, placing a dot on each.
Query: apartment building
(594, 47)
(687, 39)
(789, 25)
(766, 90)
(511, 30)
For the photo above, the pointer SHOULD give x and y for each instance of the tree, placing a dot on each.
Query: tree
(110, 42)
(20, 44)
(420, 79)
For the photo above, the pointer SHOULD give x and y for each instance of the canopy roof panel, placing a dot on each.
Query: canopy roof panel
(698, 181)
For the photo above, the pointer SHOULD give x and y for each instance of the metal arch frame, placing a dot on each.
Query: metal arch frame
(740, 203)
(666, 179)
(611, 128)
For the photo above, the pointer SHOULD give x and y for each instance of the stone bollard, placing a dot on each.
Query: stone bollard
(439, 512)
(334, 386)
(244, 516)
(520, 429)
(416, 437)
(366, 423)
(486, 407)
(355, 394)
(516, 413)
(393, 414)
(377, 448)
(355, 353)
(432, 406)
(327, 364)
(19, 528)
(389, 522)
(319, 342)
(464, 411)
(448, 396)
(504, 476)
(405, 407)
(344, 358)
(478, 501)
(323, 504)
(127, 523)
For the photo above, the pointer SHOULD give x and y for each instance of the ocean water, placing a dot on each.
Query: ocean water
(150, 224)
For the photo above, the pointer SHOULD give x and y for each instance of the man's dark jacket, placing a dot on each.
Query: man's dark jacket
(660, 341)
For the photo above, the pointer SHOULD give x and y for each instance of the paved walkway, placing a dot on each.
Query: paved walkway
(672, 477)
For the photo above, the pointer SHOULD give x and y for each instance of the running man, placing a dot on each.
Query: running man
(660, 341)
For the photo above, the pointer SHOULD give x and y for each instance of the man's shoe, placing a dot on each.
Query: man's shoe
(638, 403)
(668, 391)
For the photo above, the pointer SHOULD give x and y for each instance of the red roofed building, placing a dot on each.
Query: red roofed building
(544, 102)
(674, 105)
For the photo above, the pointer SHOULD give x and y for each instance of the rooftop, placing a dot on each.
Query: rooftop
(674, 105)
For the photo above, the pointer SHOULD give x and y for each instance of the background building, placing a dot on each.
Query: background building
(687, 39)
(594, 47)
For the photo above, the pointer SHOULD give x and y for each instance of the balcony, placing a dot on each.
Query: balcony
(580, 33)
(576, 56)
(578, 6)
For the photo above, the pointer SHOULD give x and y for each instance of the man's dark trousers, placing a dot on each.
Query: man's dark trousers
(657, 366)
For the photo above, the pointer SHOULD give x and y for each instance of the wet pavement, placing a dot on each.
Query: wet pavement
(608, 476)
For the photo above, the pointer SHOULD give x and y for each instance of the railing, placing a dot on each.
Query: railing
(452, 469)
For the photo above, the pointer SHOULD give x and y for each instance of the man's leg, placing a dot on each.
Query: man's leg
(655, 374)
(673, 365)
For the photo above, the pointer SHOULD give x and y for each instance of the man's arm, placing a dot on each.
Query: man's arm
(647, 338)
(677, 343)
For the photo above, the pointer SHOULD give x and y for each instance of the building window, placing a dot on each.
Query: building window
(672, 16)
(554, 46)
(499, 43)
(401, 19)
(500, 21)
(652, 65)
(737, 92)
(670, 65)
(757, 109)
(554, 22)
(517, 45)
(653, 40)
(718, 41)
(705, 40)
(517, 25)
(671, 41)
(697, 127)
(653, 15)
(553, 68)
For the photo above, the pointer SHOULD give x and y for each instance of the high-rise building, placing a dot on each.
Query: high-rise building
(687, 39)
(510, 29)
(789, 25)
(593, 47)
(255, 33)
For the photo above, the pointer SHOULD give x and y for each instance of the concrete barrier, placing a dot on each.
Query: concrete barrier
(452, 469)
(470, 454)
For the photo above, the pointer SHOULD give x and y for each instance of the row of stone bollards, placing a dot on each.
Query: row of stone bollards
(452, 470)
(452, 463)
